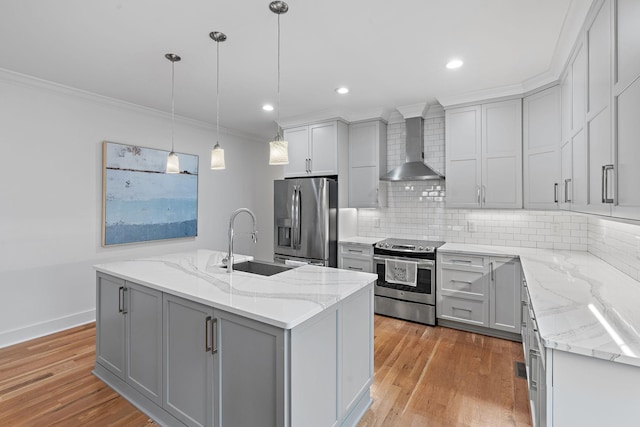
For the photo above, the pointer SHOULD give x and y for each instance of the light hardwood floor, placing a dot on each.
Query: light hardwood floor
(424, 376)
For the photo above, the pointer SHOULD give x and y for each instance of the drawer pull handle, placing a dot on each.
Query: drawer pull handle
(462, 261)
(355, 251)
(461, 281)
(354, 268)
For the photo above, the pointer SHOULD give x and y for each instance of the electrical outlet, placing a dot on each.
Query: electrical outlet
(376, 222)
(472, 226)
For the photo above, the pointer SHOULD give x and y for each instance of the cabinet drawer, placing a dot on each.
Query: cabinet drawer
(470, 283)
(357, 264)
(463, 310)
(365, 250)
(463, 260)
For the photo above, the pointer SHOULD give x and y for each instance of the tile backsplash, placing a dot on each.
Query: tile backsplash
(617, 243)
(416, 210)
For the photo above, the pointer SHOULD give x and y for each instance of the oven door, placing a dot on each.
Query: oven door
(423, 292)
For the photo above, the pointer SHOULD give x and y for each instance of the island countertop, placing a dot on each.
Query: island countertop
(582, 304)
(284, 300)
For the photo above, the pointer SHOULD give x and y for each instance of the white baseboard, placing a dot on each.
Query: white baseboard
(45, 328)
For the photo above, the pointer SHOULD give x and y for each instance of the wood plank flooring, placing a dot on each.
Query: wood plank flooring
(424, 376)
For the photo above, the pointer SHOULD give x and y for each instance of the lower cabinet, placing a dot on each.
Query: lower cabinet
(480, 293)
(187, 364)
(129, 336)
(355, 256)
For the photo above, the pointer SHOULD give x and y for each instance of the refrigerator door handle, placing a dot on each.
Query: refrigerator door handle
(293, 218)
(298, 228)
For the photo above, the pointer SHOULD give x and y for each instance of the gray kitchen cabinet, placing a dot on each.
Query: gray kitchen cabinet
(541, 130)
(504, 294)
(626, 90)
(110, 341)
(598, 117)
(367, 162)
(250, 368)
(313, 149)
(463, 156)
(189, 374)
(479, 293)
(355, 256)
(143, 319)
(129, 335)
(484, 155)
(215, 359)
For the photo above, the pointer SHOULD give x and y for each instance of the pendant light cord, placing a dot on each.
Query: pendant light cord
(217, 93)
(278, 136)
(173, 125)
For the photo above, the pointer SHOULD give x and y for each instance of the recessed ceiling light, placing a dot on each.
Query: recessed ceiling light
(454, 63)
(267, 107)
(342, 90)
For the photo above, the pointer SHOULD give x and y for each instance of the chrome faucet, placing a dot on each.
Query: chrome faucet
(254, 235)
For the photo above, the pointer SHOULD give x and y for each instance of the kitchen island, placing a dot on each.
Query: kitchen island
(190, 344)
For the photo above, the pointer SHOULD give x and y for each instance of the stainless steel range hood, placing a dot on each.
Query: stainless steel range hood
(414, 168)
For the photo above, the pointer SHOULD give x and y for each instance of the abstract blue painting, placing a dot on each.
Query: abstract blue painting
(143, 203)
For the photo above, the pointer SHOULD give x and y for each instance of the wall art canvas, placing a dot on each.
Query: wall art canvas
(143, 203)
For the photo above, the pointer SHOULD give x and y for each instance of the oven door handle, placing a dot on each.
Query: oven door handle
(421, 262)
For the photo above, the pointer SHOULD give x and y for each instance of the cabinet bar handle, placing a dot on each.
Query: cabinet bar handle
(566, 190)
(478, 188)
(605, 183)
(310, 165)
(484, 194)
(355, 250)
(354, 268)
(491, 271)
(464, 261)
(555, 193)
(124, 300)
(523, 312)
(121, 300)
(207, 334)
(214, 336)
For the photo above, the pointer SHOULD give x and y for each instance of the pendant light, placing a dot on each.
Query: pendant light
(217, 153)
(278, 148)
(173, 163)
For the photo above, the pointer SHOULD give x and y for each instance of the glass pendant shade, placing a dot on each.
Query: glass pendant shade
(173, 163)
(278, 152)
(217, 157)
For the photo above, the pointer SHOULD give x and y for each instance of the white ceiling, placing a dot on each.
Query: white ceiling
(388, 53)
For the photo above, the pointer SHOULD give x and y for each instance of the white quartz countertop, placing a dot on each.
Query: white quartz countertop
(582, 304)
(359, 240)
(284, 300)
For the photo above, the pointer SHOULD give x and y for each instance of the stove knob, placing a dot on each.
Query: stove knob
(386, 245)
(420, 248)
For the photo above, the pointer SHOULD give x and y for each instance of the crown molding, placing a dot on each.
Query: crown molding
(341, 115)
(24, 80)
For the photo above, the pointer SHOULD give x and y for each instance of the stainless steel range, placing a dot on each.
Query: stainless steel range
(406, 285)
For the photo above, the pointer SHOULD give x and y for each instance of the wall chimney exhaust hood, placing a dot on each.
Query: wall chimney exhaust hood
(414, 168)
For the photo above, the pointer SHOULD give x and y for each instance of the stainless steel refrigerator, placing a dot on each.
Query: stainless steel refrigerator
(306, 221)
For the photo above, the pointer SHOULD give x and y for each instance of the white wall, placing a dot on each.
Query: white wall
(51, 197)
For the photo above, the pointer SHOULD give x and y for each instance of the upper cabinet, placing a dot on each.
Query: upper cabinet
(600, 109)
(484, 155)
(598, 117)
(367, 162)
(541, 133)
(626, 99)
(313, 149)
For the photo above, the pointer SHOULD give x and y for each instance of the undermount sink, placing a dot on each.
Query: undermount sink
(261, 267)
